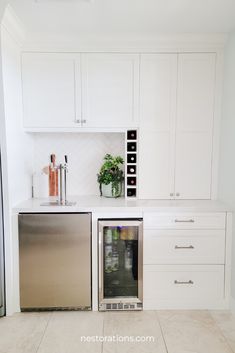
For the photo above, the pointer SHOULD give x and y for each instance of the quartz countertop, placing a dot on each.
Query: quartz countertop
(101, 204)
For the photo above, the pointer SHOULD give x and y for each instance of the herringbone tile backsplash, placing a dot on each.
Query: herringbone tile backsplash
(85, 154)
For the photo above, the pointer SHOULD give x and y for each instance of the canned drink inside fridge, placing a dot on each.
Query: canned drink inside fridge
(108, 250)
(108, 236)
(115, 261)
(115, 234)
(108, 264)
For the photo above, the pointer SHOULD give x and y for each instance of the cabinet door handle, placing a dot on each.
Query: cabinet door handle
(77, 121)
(84, 121)
(184, 221)
(184, 282)
(184, 247)
(171, 194)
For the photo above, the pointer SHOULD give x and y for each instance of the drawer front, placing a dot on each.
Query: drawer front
(183, 282)
(154, 220)
(184, 247)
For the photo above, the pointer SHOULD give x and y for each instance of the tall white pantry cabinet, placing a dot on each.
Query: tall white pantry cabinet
(177, 93)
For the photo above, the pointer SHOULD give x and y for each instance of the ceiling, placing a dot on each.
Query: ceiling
(125, 17)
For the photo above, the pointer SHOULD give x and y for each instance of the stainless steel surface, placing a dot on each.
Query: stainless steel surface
(57, 203)
(63, 184)
(55, 261)
(182, 282)
(184, 221)
(184, 247)
(2, 290)
(131, 301)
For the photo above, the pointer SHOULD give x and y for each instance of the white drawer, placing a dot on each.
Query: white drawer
(195, 283)
(154, 220)
(184, 246)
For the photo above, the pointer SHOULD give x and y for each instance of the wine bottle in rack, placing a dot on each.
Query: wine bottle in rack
(131, 181)
(132, 135)
(131, 169)
(131, 192)
(131, 146)
(131, 158)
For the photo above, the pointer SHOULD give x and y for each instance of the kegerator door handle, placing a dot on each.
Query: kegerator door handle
(184, 221)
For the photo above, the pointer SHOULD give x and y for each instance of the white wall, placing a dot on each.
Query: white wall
(19, 144)
(17, 152)
(227, 155)
(85, 155)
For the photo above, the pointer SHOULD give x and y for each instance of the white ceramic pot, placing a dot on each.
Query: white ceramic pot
(107, 190)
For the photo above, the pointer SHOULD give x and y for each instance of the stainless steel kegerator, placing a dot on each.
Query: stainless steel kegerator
(55, 261)
(120, 264)
(2, 290)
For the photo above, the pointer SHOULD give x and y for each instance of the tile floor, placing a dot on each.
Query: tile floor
(170, 332)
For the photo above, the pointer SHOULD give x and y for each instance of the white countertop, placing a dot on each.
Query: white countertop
(102, 204)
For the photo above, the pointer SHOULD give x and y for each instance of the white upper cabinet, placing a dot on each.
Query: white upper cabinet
(176, 125)
(194, 125)
(49, 90)
(80, 90)
(110, 89)
(158, 77)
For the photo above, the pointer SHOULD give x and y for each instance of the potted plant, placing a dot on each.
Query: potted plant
(111, 176)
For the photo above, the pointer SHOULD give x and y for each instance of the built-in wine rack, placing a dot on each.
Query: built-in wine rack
(131, 177)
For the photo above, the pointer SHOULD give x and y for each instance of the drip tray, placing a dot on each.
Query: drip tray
(57, 203)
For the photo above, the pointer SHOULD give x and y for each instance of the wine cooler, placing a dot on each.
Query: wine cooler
(120, 264)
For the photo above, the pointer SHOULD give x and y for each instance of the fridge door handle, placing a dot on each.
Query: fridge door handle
(100, 259)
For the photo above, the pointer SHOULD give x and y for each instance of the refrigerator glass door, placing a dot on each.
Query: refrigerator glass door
(120, 264)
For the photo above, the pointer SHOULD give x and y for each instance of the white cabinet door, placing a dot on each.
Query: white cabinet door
(110, 89)
(183, 286)
(49, 90)
(156, 173)
(177, 246)
(194, 130)
(158, 77)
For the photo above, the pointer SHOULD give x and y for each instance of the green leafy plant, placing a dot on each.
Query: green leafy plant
(111, 173)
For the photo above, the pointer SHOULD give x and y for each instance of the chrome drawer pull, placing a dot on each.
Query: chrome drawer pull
(184, 221)
(179, 282)
(184, 247)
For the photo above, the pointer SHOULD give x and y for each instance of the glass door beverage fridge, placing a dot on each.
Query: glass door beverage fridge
(120, 264)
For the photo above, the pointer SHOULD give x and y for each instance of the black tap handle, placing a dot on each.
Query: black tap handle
(66, 159)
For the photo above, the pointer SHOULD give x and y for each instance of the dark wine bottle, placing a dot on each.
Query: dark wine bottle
(131, 181)
(131, 135)
(131, 158)
(131, 146)
(131, 169)
(131, 192)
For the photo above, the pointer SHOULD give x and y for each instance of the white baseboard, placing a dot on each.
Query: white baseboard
(232, 305)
